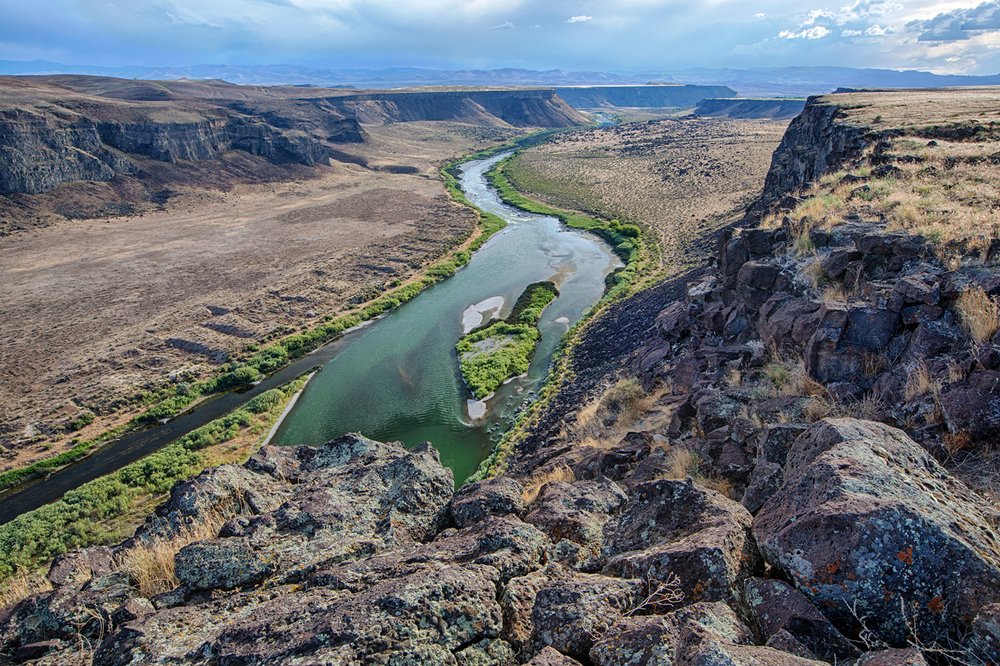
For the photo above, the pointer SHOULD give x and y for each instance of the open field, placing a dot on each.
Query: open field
(679, 178)
(96, 310)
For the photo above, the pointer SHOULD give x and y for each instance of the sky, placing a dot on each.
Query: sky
(628, 36)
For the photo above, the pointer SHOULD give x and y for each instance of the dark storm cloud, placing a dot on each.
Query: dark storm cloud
(958, 24)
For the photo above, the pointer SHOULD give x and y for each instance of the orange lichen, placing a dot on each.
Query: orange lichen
(906, 555)
(936, 605)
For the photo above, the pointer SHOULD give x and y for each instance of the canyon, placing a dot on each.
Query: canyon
(778, 452)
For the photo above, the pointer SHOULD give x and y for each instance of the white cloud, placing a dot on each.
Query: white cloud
(760, 16)
(815, 32)
(875, 30)
(506, 25)
(579, 19)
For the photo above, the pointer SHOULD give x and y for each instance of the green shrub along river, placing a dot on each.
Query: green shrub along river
(499, 351)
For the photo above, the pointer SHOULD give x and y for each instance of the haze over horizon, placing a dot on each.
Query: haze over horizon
(941, 36)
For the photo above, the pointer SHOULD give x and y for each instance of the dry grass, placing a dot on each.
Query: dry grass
(684, 463)
(534, 483)
(867, 408)
(980, 314)
(836, 294)
(788, 377)
(151, 566)
(22, 586)
(617, 408)
(919, 382)
(947, 190)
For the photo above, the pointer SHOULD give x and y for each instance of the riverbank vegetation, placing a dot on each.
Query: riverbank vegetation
(109, 508)
(494, 353)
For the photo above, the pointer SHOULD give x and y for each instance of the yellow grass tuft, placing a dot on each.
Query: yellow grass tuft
(979, 312)
(21, 586)
(151, 565)
(919, 382)
(534, 483)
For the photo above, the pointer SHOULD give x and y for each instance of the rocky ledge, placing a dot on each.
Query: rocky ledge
(360, 552)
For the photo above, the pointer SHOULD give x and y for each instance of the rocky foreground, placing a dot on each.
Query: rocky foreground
(850, 542)
(359, 552)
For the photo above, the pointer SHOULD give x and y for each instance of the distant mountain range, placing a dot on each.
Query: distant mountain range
(784, 81)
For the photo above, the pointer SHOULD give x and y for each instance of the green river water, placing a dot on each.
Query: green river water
(397, 378)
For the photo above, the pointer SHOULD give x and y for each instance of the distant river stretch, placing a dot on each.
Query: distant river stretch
(398, 379)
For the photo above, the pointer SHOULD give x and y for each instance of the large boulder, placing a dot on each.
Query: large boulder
(573, 515)
(873, 531)
(675, 528)
(570, 615)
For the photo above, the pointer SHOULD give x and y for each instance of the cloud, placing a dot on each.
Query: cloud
(760, 16)
(506, 25)
(875, 30)
(816, 32)
(958, 24)
(583, 18)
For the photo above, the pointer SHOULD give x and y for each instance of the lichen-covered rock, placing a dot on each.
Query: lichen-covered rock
(765, 480)
(491, 497)
(552, 657)
(893, 657)
(972, 406)
(677, 528)
(700, 634)
(983, 639)
(776, 606)
(571, 614)
(867, 523)
(573, 515)
(219, 564)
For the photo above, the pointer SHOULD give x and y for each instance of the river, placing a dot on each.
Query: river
(398, 378)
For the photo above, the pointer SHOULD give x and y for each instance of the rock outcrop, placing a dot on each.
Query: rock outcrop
(817, 141)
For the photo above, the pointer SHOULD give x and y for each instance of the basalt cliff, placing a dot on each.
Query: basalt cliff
(61, 129)
(787, 495)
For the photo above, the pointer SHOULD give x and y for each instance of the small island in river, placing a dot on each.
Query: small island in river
(496, 352)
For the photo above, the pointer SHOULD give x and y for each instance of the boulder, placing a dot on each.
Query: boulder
(573, 515)
(220, 564)
(675, 528)
(765, 480)
(788, 322)
(973, 405)
(867, 522)
(776, 606)
(774, 442)
(570, 615)
(707, 634)
(869, 328)
(660, 639)
(481, 499)
(756, 281)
